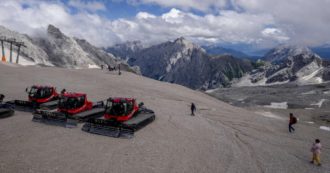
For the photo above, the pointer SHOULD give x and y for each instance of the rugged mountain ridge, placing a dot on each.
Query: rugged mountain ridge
(32, 53)
(285, 64)
(57, 49)
(185, 63)
(126, 50)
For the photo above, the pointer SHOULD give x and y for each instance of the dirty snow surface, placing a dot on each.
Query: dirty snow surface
(220, 138)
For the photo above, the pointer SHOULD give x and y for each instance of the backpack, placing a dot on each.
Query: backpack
(294, 120)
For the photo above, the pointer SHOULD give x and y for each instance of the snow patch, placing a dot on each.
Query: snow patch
(93, 66)
(325, 128)
(277, 105)
(308, 93)
(270, 115)
(308, 73)
(326, 92)
(246, 81)
(211, 90)
(310, 122)
(320, 103)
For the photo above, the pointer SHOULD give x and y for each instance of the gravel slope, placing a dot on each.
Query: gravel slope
(221, 138)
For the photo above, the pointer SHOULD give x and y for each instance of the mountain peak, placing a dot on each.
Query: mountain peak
(181, 40)
(285, 51)
(185, 43)
(54, 31)
(293, 49)
(131, 45)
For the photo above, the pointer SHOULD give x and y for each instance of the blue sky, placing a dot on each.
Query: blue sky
(258, 23)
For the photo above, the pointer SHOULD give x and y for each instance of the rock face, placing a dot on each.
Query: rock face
(57, 49)
(126, 50)
(64, 51)
(290, 64)
(185, 63)
(31, 52)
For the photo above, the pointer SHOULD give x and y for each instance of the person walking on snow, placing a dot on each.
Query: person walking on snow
(316, 150)
(193, 109)
(1, 98)
(292, 120)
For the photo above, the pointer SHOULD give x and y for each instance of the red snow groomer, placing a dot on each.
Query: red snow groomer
(72, 108)
(38, 95)
(122, 117)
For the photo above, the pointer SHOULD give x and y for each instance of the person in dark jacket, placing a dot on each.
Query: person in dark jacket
(1, 98)
(193, 109)
(292, 120)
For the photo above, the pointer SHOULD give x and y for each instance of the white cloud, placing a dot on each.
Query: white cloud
(145, 15)
(259, 22)
(275, 34)
(302, 21)
(305, 22)
(87, 5)
(203, 5)
(35, 18)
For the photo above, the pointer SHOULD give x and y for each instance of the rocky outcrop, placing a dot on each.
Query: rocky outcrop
(285, 64)
(57, 49)
(32, 52)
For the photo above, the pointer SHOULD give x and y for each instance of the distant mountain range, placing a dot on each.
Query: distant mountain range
(188, 64)
(219, 50)
(179, 61)
(286, 64)
(184, 63)
(323, 51)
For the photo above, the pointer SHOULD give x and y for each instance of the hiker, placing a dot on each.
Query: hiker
(1, 98)
(316, 150)
(193, 109)
(102, 66)
(293, 120)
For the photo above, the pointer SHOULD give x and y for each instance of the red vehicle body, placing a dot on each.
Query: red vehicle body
(120, 109)
(73, 103)
(42, 94)
(121, 118)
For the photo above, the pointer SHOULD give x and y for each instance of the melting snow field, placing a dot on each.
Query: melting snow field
(320, 103)
(270, 115)
(277, 105)
(309, 92)
(325, 128)
(211, 90)
(93, 66)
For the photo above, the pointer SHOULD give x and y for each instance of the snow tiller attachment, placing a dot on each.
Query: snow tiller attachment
(72, 108)
(38, 96)
(6, 110)
(122, 117)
